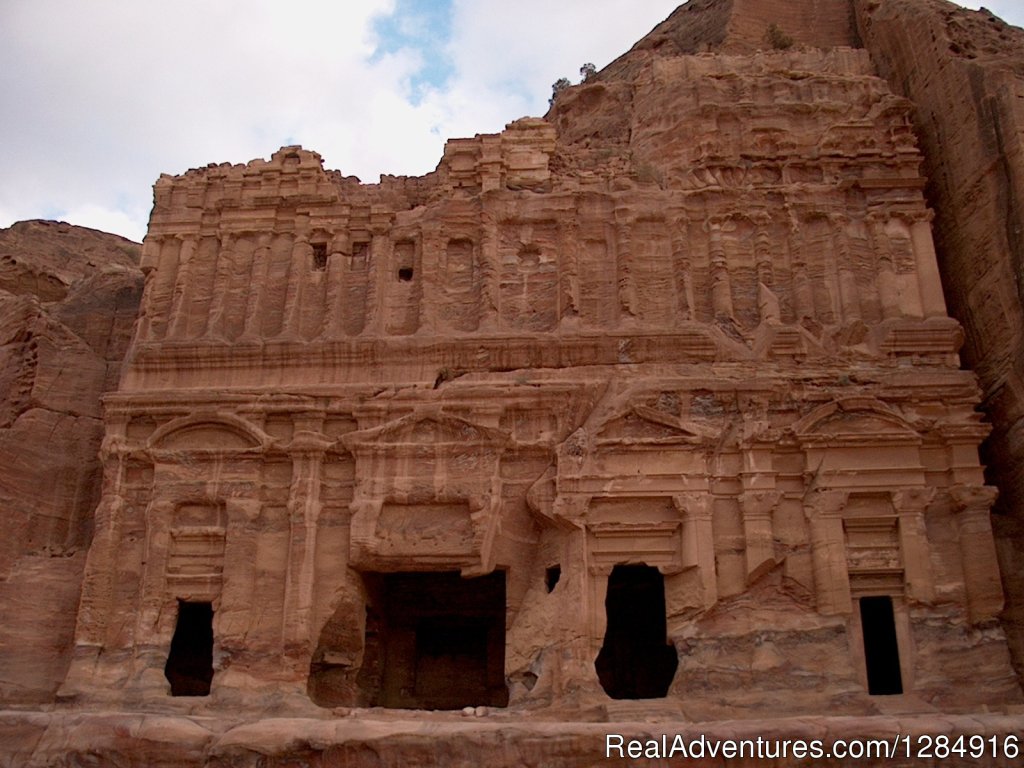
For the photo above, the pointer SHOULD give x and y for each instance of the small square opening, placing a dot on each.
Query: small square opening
(405, 274)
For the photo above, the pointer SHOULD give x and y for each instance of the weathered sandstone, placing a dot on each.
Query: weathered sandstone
(964, 70)
(68, 301)
(645, 415)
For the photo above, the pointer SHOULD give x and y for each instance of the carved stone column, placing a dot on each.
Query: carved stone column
(183, 289)
(828, 551)
(258, 286)
(932, 300)
(888, 291)
(307, 450)
(98, 587)
(803, 294)
(160, 266)
(978, 550)
(721, 287)
(334, 326)
(910, 504)
(848, 291)
(221, 284)
(298, 277)
(698, 540)
(758, 507)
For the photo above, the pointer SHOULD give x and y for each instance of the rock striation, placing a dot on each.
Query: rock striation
(964, 70)
(647, 411)
(68, 301)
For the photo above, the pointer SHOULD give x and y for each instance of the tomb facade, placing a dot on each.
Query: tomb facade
(667, 374)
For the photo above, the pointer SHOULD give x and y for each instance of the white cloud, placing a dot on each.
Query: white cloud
(107, 220)
(101, 97)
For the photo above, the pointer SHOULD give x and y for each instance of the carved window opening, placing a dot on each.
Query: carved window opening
(551, 577)
(434, 641)
(635, 661)
(189, 667)
(360, 255)
(881, 649)
(319, 257)
(405, 274)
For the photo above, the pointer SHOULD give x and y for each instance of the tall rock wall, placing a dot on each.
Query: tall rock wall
(964, 71)
(68, 301)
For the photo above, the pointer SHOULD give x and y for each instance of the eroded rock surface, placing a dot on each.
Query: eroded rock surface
(964, 70)
(68, 301)
(650, 410)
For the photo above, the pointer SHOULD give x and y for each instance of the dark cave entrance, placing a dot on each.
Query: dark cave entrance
(434, 641)
(635, 661)
(881, 649)
(189, 667)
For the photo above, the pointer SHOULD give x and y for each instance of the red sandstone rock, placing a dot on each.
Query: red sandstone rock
(68, 300)
(965, 72)
(656, 398)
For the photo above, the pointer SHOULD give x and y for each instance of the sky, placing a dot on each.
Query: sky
(99, 97)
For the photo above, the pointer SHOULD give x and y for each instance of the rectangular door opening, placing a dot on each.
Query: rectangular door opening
(881, 649)
(439, 641)
(189, 667)
(636, 661)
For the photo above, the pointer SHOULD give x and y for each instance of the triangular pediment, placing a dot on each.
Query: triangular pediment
(433, 429)
(642, 424)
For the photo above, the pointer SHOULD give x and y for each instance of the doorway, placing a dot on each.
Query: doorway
(434, 641)
(881, 648)
(635, 661)
(189, 667)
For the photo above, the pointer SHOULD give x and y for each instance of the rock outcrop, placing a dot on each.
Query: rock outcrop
(68, 301)
(964, 71)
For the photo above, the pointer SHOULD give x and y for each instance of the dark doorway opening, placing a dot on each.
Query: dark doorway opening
(434, 641)
(881, 650)
(635, 661)
(189, 667)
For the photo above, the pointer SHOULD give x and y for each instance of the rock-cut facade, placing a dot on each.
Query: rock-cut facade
(654, 398)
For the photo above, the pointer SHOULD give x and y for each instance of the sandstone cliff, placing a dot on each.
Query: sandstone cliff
(964, 71)
(68, 300)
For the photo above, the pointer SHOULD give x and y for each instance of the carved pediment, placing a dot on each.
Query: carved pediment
(643, 425)
(857, 420)
(426, 430)
(208, 434)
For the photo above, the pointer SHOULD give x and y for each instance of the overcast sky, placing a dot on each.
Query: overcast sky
(101, 96)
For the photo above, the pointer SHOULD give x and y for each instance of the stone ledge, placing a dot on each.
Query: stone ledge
(497, 739)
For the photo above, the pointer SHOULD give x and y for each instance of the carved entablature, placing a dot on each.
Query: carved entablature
(428, 493)
(624, 530)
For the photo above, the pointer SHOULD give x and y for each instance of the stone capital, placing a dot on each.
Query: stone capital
(759, 502)
(973, 498)
(308, 443)
(696, 504)
(826, 503)
(912, 500)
